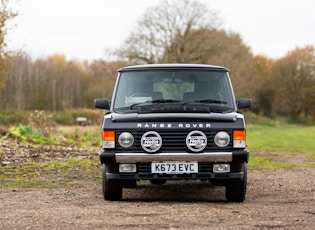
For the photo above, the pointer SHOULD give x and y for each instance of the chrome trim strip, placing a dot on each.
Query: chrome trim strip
(148, 157)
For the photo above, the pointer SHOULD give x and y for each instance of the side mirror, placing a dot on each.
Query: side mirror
(102, 103)
(243, 103)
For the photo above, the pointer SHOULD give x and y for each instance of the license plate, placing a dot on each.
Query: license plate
(174, 167)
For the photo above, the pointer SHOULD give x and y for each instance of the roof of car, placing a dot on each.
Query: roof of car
(172, 66)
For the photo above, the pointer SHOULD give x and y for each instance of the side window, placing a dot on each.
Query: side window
(224, 91)
(122, 88)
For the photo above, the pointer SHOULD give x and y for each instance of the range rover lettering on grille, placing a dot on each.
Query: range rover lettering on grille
(196, 141)
(151, 141)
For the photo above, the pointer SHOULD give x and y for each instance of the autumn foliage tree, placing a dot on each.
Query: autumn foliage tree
(102, 78)
(230, 51)
(262, 87)
(54, 83)
(294, 78)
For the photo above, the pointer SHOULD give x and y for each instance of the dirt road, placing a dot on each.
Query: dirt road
(276, 199)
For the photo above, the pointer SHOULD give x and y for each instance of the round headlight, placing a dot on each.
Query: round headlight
(125, 139)
(222, 139)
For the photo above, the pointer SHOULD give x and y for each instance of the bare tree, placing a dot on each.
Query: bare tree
(171, 32)
(5, 15)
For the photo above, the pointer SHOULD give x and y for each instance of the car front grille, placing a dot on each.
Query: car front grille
(172, 141)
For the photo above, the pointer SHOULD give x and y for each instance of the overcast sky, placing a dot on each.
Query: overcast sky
(83, 29)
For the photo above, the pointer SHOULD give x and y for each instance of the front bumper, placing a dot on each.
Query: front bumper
(144, 157)
(108, 156)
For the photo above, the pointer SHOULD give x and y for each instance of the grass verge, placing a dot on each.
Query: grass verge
(75, 171)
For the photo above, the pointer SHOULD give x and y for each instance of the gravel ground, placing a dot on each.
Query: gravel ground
(283, 199)
(276, 199)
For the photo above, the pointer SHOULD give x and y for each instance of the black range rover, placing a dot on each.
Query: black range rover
(173, 122)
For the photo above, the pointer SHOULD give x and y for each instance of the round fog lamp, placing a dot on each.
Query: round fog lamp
(125, 139)
(222, 139)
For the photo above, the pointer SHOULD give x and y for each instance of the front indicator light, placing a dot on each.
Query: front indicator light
(239, 138)
(108, 139)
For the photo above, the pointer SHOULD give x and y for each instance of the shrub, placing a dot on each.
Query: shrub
(42, 123)
(25, 132)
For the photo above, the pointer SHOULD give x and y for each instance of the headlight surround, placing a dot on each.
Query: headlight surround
(126, 139)
(222, 139)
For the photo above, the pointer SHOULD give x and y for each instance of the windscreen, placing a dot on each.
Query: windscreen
(145, 88)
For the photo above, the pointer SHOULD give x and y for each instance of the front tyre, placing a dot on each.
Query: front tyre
(112, 189)
(236, 189)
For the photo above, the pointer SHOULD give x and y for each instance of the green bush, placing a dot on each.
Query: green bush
(24, 132)
(8, 118)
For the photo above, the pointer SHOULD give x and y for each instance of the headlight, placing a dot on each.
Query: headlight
(222, 139)
(125, 139)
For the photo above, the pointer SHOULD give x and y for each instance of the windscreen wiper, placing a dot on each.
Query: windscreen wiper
(159, 101)
(163, 101)
(131, 107)
(211, 101)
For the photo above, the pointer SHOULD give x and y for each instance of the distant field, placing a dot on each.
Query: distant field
(281, 146)
(284, 138)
